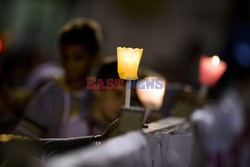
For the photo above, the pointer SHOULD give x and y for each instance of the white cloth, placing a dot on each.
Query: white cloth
(124, 151)
(219, 126)
(133, 149)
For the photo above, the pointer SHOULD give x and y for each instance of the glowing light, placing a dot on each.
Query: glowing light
(215, 60)
(210, 70)
(128, 62)
(152, 98)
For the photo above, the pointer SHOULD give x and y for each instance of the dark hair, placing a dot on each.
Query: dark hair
(82, 31)
(108, 69)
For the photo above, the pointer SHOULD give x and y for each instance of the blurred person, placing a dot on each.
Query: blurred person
(51, 110)
(16, 61)
(42, 74)
(36, 79)
(18, 99)
(222, 127)
(106, 104)
(98, 125)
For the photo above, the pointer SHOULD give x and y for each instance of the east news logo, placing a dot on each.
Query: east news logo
(94, 83)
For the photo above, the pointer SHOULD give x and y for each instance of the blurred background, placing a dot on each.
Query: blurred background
(173, 33)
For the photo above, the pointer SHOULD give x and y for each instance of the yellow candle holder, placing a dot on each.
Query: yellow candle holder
(128, 62)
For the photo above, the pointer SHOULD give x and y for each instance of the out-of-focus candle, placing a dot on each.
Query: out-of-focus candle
(152, 98)
(210, 70)
(128, 62)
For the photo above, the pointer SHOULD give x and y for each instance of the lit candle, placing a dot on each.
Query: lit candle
(211, 69)
(152, 98)
(128, 60)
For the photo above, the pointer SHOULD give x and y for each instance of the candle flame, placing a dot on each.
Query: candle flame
(215, 60)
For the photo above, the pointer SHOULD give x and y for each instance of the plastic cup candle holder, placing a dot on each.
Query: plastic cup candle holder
(210, 71)
(128, 60)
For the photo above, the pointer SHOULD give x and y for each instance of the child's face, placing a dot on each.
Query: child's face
(76, 61)
(110, 101)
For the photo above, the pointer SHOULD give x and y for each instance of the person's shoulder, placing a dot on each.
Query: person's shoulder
(51, 87)
(51, 91)
(203, 116)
